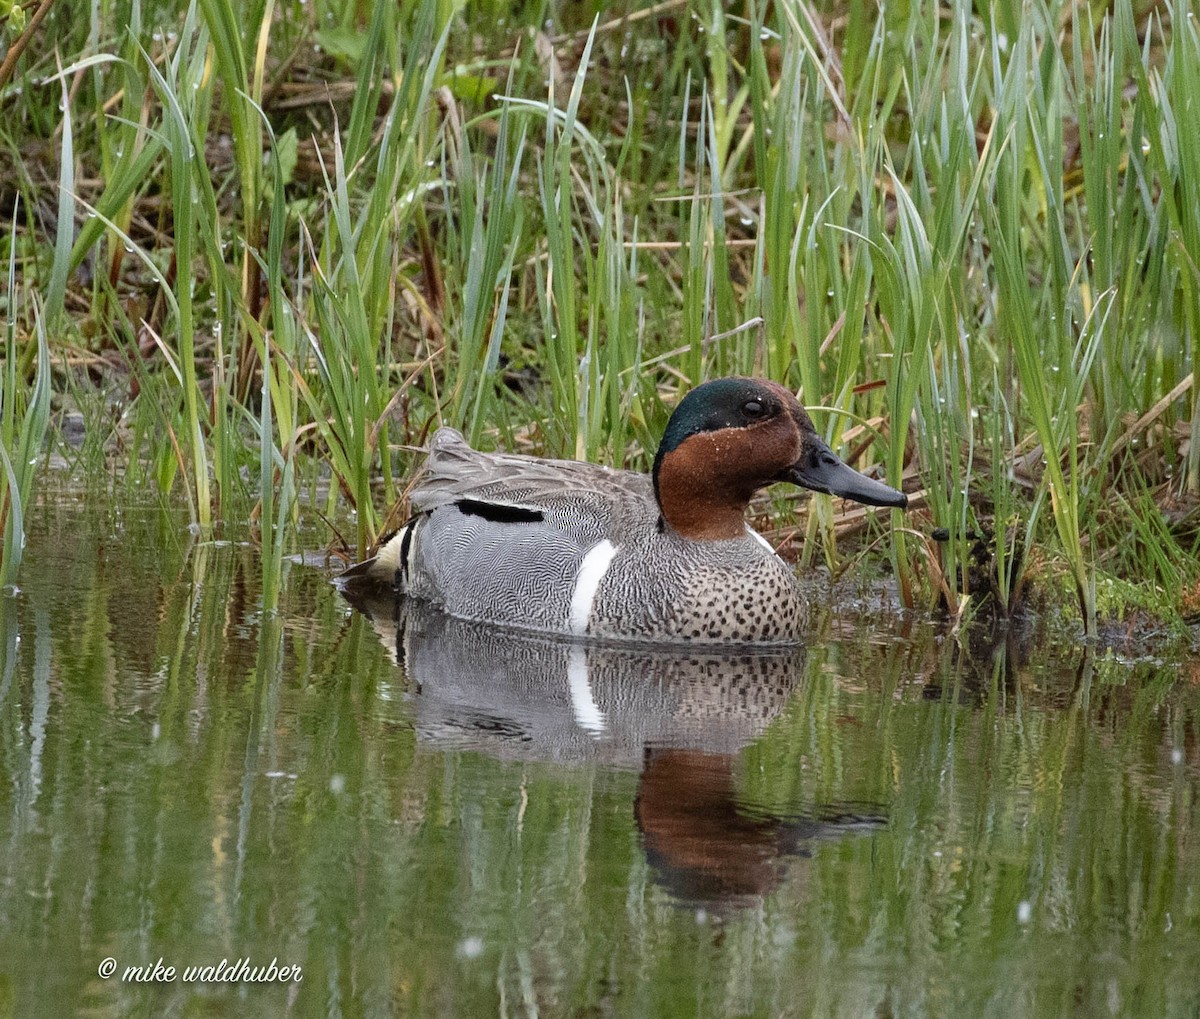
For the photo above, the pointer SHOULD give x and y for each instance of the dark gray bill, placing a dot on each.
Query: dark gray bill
(822, 471)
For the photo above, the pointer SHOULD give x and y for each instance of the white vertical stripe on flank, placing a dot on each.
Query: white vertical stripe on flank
(587, 581)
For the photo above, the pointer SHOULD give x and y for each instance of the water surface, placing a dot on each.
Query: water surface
(430, 819)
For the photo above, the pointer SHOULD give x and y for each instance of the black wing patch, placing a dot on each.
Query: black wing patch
(499, 512)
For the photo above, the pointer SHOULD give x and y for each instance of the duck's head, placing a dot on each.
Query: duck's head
(730, 437)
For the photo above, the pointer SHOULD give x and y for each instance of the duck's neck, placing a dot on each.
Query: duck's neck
(696, 500)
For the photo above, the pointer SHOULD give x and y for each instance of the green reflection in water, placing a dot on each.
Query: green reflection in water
(180, 778)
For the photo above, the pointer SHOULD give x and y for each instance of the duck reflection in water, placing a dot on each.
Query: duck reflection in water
(702, 843)
(678, 716)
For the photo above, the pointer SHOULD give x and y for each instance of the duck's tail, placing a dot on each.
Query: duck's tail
(391, 564)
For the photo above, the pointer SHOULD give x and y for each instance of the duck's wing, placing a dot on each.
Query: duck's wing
(512, 540)
(588, 500)
(503, 516)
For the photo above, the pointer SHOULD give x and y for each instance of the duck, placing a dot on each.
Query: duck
(588, 552)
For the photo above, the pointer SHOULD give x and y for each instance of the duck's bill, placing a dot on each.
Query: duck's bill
(822, 471)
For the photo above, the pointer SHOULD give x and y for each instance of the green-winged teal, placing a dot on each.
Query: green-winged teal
(560, 546)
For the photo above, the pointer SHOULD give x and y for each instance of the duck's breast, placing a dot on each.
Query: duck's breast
(666, 587)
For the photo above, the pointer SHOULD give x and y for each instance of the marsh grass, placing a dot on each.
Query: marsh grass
(312, 234)
(24, 418)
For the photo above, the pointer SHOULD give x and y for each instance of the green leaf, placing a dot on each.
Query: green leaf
(343, 44)
(12, 16)
(470, 88)
(287, 148)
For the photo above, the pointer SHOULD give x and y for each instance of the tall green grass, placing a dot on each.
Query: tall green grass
(316, 231)
(24, 417)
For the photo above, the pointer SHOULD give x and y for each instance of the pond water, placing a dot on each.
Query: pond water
(424, 818)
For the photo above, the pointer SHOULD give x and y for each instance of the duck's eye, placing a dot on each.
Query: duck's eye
(752, 408)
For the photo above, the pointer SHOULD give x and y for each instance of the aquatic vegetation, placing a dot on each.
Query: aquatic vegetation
(22, 432)
(298, 242)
